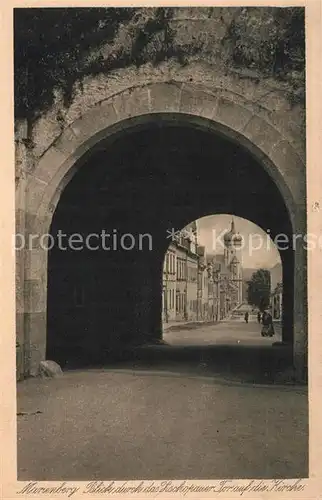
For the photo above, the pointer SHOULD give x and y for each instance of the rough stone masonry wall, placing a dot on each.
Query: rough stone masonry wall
(188, 45)
(194, 75)
(267, 42)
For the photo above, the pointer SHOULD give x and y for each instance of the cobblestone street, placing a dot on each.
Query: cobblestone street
(122, 423)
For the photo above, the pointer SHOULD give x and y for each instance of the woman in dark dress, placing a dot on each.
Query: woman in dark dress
(267, 322)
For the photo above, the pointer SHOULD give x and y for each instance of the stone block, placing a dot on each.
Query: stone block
(20, 219)
(35, 294)
(33, 358)
(292, 167)
(35, 327)
(165, 97)
(20, 272)
(33, 225)
(293, 131)
(34, 341)
(35, 191)
(35, 263)
(20, 190)
(275, 100)
(232, 115)
(198, 101)
(93, 121)
(50, 369)
(49, 163)
(132, 103)
(52, 193)
(36, 229)
(215, 76)
(261, 134)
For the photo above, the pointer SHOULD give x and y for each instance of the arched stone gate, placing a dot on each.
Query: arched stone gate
(264, 131)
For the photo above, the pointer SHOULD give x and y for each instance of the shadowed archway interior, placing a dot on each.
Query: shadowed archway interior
(153, 178)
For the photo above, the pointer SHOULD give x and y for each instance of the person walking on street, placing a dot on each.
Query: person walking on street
(267, 321)
(259, 317)
(271, 325)
(246, 317)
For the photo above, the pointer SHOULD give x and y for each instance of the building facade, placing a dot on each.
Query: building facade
(277, 302)
(233, 262)
(169, 284)
(198, 286)
(276, 299)
(180, 277)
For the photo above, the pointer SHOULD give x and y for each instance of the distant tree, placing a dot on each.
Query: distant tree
(259, 288)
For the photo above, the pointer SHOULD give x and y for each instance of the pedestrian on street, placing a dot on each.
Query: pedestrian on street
(267, 321)
(259, 317)
(246, 316)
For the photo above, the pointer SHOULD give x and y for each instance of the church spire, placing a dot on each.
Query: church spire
(232, 225)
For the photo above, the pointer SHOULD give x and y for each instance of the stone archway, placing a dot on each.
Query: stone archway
(223, 111)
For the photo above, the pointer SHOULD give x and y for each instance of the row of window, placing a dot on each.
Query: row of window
(170, 263)
(173, 300)
(169, 303)
(173, 265)
(180, 306)
(181, 269)
(183, 272)
(177, 301)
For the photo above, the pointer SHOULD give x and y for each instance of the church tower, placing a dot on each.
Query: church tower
(233, 243)
(233, 257)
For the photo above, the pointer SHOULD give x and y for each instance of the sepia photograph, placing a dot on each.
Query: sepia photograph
(161, 244)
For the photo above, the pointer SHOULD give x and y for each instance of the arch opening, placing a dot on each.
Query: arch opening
(218, 269)
(128, 194)
(107, 137)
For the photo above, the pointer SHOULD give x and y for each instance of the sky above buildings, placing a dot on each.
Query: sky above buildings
(258, 249)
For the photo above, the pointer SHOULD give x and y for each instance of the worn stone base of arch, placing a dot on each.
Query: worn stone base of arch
(43, 178)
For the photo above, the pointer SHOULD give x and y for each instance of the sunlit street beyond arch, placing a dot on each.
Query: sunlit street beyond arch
(226, 332)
